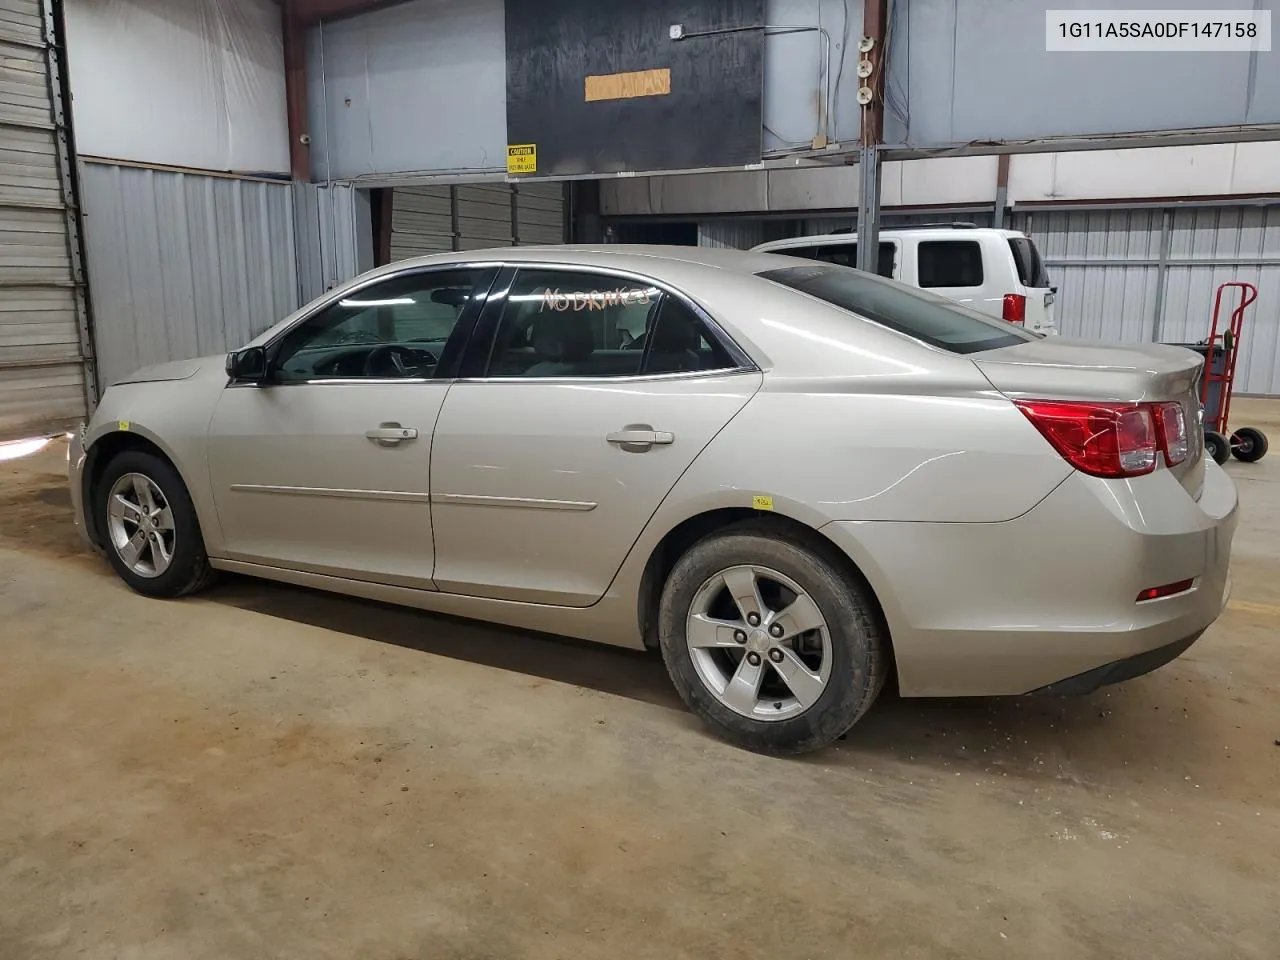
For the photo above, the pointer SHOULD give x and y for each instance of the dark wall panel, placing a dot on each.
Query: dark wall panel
(711, 117)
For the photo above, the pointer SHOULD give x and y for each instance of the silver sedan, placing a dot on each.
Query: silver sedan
(794, 479)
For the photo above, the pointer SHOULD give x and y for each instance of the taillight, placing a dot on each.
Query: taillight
(1171, 424)
(1100, 439)
(1015, 308)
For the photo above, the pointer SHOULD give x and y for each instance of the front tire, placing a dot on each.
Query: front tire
(149, 526)
(769, 642)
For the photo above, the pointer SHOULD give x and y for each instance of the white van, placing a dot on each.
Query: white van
(996, 271)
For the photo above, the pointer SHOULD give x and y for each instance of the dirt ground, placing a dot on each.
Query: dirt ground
(267, 772)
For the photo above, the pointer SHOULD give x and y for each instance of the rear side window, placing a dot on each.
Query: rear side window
(936, 320)
(845, 254)
(1026, 257)
(560, 323)
(950, 263)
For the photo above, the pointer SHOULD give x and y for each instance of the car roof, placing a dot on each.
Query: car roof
(639, 258)
(920, 233)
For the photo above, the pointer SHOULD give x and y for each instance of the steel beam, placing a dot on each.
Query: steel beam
(295, 91)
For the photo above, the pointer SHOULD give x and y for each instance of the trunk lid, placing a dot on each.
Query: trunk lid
(1058, 369)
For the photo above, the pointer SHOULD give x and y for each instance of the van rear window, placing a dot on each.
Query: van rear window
(925, 316)
(1031, 269)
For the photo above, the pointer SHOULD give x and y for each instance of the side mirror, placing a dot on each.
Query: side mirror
(248, 365)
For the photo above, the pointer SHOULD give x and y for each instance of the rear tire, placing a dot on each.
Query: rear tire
(1249, 444)
(807, 686)
(1216, 445)
(149, 526)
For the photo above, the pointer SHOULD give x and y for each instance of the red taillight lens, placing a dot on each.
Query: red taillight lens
(1015, 308)
(1168, 590)
(1171, 424)
(1100, 439)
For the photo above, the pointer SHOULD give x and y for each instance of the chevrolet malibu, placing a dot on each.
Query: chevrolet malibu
(794, 479)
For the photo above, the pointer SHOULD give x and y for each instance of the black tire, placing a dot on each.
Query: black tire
(1217, 446)
(1249, 444)
(189, 569)
(859, 644)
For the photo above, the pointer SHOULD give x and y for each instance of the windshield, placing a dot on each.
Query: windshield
(936, 320)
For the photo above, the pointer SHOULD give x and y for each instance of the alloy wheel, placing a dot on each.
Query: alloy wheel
(140, 525)
(759, 643)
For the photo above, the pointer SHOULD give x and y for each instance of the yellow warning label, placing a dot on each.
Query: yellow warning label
(522, 158)
(123, 424)
(762, 503)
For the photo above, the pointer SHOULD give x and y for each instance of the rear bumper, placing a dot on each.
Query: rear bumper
(1119, 670)
(985, 609)
(75, 480)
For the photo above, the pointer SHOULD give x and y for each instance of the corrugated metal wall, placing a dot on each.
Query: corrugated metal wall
(43, 326)
(334, 236)
(1135, 275)
(183, 265)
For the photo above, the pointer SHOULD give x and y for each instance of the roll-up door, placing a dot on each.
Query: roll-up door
(43, 384)
(426, 220)
(539, 213)
(421, 221)
(484, 216)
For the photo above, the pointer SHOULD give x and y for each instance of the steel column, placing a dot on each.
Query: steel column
(874, 20)
(1162, 273)
(295, 91)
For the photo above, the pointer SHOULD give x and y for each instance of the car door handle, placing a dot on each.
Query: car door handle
(391, 434)
(640, 438)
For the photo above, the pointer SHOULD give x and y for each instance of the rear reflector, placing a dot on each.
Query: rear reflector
(1171, 424)
(1015, 308)
(1168, 590)
(1100, 439)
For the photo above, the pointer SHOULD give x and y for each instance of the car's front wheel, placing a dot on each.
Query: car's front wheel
(769, 642)
(149, 526)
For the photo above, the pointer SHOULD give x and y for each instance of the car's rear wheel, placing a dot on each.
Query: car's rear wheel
(149, 526)
(1216, 445)
(1249, 444)
(769, 643)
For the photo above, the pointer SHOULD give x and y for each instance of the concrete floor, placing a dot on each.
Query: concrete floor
(270, 772)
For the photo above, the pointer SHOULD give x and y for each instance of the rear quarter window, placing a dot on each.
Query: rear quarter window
(949, 263)
(928, 317)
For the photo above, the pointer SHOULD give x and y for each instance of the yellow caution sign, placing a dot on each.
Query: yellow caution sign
(522, 158)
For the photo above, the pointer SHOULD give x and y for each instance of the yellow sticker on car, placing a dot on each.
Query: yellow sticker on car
(123, 424)
(522, 158)
(762, 503)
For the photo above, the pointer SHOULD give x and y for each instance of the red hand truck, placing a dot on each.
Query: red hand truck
(1221, 351)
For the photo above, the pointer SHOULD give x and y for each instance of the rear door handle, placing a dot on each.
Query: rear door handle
(640, 438)
(391, 434)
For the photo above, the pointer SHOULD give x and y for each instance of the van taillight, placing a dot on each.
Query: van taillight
(1100, 439)
(1015, 308)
